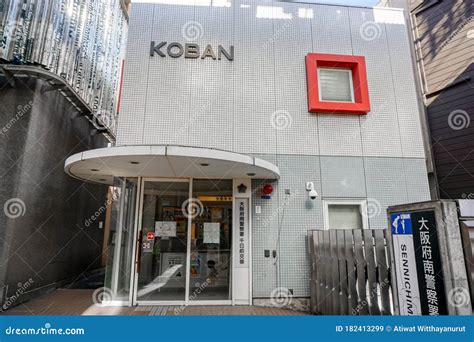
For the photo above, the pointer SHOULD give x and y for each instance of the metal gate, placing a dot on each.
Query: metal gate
(350, 272)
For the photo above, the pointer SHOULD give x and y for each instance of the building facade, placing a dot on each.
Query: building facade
(443, 33)
(242, 125)
(60, 66)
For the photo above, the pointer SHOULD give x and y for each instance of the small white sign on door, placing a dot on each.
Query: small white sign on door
(212, 232)
(165, 228)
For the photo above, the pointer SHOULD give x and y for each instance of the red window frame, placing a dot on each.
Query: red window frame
(356, 64)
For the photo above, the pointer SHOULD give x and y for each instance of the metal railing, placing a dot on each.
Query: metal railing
(350, 272)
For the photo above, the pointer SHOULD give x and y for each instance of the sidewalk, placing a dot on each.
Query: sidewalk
(63, 302)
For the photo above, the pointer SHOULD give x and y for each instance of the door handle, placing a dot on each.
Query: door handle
(138, 257)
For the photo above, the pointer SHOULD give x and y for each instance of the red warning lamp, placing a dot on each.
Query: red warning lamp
(267, 189)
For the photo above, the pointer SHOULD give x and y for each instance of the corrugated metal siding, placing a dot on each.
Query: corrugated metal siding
(82, 41)
(442, 31)
(446, 49)
(453, 148)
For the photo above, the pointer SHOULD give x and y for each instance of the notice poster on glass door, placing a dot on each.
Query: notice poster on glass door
(165, 229)
(212, 232)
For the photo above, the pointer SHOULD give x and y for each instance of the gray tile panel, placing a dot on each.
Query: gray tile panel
(343, 176)
(135, 78)
(258, 102)
(170, 80)
(381, 181)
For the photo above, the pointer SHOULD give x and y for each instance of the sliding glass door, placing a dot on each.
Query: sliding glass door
(119, 239)
(211, 233)
(184, 239)
(163, 237)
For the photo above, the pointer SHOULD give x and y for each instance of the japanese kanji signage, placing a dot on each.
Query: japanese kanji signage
(241, 254)
(428, 264)
(404, 256)
(418, 264)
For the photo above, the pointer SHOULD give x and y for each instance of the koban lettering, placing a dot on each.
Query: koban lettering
(190, 50)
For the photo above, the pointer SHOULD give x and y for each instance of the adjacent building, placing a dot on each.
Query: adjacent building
(443, 33)
(60, 65)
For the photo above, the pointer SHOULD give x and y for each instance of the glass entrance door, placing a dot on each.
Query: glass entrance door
(184, 239)
(161, 264)
(211, 234)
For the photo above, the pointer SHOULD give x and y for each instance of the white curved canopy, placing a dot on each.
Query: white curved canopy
(103, 164)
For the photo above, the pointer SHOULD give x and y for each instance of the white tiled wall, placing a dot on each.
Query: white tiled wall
(258, 102)
(379, 129)
(212, 89)
(257, 105)
(167, 117)
(382, 181)
(254, 68)
(291, 116)
(135, 76)
(405, 91)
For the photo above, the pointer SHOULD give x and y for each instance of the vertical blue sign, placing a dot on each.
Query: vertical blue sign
(401, 226)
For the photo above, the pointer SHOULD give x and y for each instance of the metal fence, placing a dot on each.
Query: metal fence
(350, 272)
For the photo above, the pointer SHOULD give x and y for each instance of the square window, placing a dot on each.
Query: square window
(335, 85)
(345, 214)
